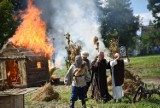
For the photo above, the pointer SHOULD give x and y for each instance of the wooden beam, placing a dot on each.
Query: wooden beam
(17, 57)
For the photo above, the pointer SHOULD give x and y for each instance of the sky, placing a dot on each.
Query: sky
(140, 8)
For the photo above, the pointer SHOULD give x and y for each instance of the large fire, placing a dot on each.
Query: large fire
(31, 34)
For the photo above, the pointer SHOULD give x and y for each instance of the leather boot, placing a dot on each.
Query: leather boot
(71, 104)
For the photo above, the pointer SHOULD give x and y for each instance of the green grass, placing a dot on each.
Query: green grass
(61, 72)
(145, 61)
(152, 102)
(151, 73)
(144, 66)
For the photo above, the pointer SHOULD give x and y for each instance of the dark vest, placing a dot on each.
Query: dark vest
(119, 73)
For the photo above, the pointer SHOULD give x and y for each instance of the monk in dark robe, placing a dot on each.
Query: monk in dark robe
(99, 81)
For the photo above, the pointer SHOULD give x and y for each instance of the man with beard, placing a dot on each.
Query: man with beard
(99, 82)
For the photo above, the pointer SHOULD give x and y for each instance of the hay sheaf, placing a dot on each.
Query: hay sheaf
(46, 93)
(131, 82)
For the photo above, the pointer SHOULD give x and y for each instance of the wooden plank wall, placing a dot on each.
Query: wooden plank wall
(29, 73)
(22, 71)
(3, 73)
(12, 101)
(35, 76)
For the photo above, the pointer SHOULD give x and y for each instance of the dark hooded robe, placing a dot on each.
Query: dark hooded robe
(99, 81)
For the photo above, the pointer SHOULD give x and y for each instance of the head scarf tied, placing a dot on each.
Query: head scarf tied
(78, 61)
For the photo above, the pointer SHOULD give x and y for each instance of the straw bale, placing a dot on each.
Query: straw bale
(46, 93)
(131, 82)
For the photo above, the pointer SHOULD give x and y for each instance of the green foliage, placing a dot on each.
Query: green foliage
(50, 73)
(150, 38)
(118, 22)
(154, 6)
(7, 22)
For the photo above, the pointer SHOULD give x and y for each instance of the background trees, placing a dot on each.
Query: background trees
(7, 21)
(118, 21)
(154, 6)
(9, 18)
(150, 40)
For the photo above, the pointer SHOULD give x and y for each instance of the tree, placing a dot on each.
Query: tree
(19, 4)
(154, 6)
(7, 22)
(150, 40)
(118, 22)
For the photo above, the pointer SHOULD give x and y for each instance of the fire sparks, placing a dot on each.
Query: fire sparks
(31, 34)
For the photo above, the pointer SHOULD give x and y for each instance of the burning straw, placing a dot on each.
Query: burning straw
(46, 93)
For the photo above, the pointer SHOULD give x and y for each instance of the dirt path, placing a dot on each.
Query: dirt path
(155, 80)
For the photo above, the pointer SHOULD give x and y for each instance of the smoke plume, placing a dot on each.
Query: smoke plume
(77, 17)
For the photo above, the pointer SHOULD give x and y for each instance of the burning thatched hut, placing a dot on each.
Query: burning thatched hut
(21, 67)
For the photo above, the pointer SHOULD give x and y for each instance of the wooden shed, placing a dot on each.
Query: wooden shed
(21, 67)
(12, 101)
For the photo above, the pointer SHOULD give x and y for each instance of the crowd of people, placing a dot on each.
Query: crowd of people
(84, 74)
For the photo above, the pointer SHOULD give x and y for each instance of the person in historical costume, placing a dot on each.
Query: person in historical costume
(99, 82)
(77, 76)
(85, 55)
(117, 72)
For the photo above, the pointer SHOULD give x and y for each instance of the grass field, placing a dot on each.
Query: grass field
(147, 67)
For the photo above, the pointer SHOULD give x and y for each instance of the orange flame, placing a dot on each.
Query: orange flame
(31, 34)
(12, 71)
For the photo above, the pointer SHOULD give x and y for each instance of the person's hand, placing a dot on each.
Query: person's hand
(117, 57)
(98, 59)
